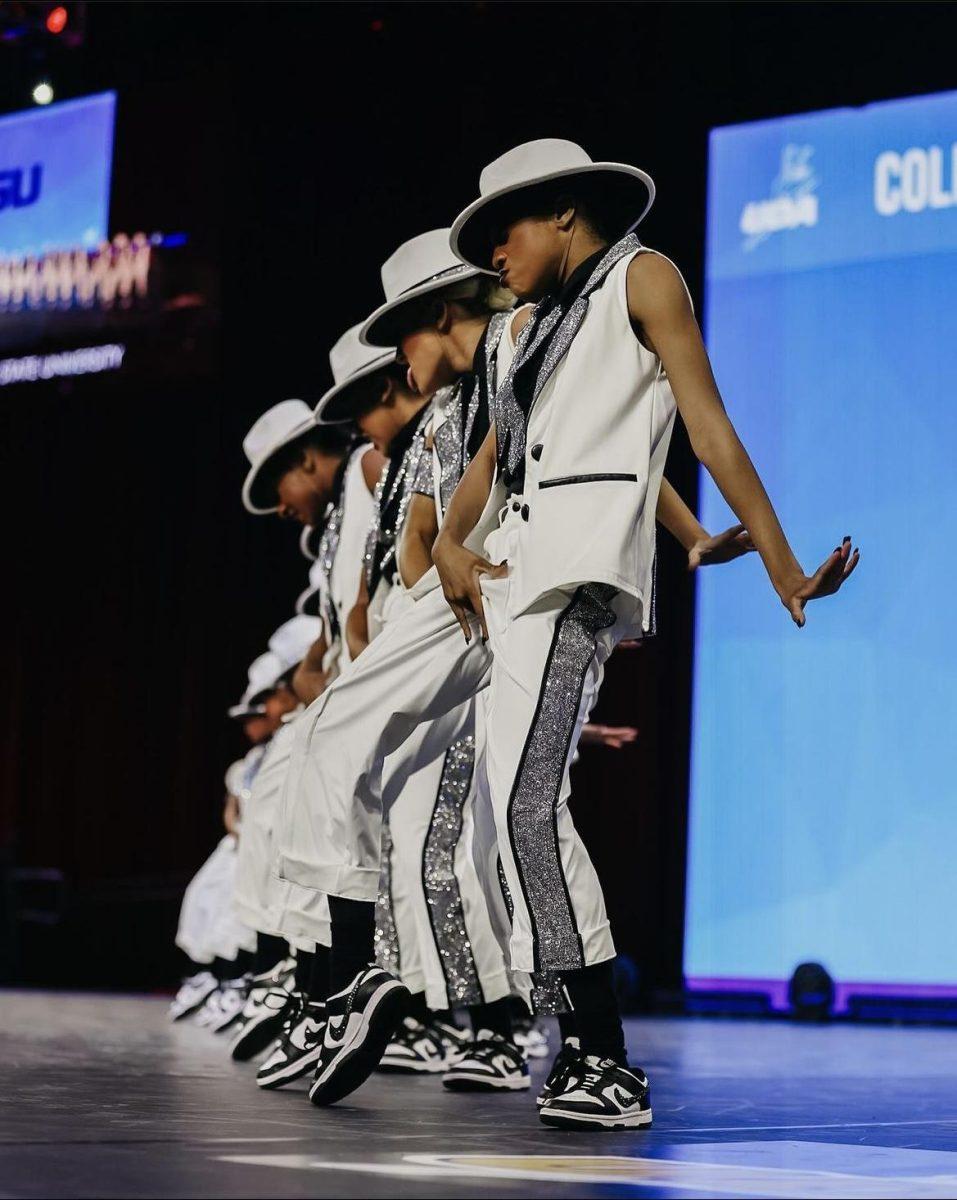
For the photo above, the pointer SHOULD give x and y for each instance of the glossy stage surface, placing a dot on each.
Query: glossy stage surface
(102, 1097)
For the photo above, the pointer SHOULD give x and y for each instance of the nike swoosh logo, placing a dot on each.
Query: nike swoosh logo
(336, 1028)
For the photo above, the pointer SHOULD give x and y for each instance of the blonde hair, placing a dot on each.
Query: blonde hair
(481, 294)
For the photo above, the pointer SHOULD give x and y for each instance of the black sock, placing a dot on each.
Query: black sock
(567, 1025)
(495, 1017)
(353, 940)
(445, 1015)
(418, 1007)
(222, 968)
(520, 1010)
(319, 979)
(243, 963)
(269, 951)
(303, 970)
(592, 993)
(191, 967)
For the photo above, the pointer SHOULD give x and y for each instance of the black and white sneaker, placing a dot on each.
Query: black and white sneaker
(193, 993)
(414, 1050)
(360, 1022)
(299, 1046)
(454, 1039)
(264, 1011)
(531, 1037)
(567, 1060)
(600, 1094)
(489, 1064)
(226, 1004)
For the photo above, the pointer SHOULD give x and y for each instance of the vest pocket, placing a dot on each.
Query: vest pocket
(609, 476)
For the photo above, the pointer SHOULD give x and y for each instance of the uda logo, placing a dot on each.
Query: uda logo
(20, 188)
(792, 203)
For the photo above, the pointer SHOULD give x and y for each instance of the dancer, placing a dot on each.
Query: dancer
(418, 671)
(208, 932)
(288, 477)
(614, 322)
(275, 960)
(432, 927)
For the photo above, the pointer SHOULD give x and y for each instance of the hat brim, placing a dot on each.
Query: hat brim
(389, 323)
(239, 711)
(469, 237)
(306, 539)
(307, 603)
(339, 403)
(257, 496)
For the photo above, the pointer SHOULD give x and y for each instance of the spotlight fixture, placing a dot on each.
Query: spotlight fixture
(43, 92)
(57, 19)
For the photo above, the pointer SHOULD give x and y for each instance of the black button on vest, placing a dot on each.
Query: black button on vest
(536, 451)
(516, 506)
(525, 511)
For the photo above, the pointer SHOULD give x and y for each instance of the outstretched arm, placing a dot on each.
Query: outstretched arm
(659, 306)
(685, 527)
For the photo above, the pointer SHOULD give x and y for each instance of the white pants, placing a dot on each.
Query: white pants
(429, 875)
(208, 925)
(543, 669)
(261, 901)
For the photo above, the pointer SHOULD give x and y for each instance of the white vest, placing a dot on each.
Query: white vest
(595, 452)
(489, 519)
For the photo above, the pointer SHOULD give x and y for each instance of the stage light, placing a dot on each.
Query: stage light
(43, 92)
(57, 19)
(811, 992)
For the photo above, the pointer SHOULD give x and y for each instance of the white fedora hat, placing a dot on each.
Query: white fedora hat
(350, 360)
(421, 265)
(527, 166)
(308, 601)
(264, 673)
(277, 427)
(293, 638)
(309, 542)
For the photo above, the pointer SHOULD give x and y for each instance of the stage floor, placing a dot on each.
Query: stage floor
(101, 1097)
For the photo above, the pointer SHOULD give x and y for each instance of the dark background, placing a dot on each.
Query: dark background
(297, 145)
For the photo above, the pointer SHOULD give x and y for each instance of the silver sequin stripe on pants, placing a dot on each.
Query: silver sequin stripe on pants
(547, 668)
(433, 876)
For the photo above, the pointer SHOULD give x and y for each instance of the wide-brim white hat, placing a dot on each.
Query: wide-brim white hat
(279, 426)
(351, 360)
(630, 190)
(264, 674)
(309, 540)
(307, 602)
(241, 711)
(421, 265)
(293, 638)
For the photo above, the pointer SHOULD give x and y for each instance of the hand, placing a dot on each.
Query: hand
(460, 572)
(825, 581)
(613, 737)
(721, 548)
